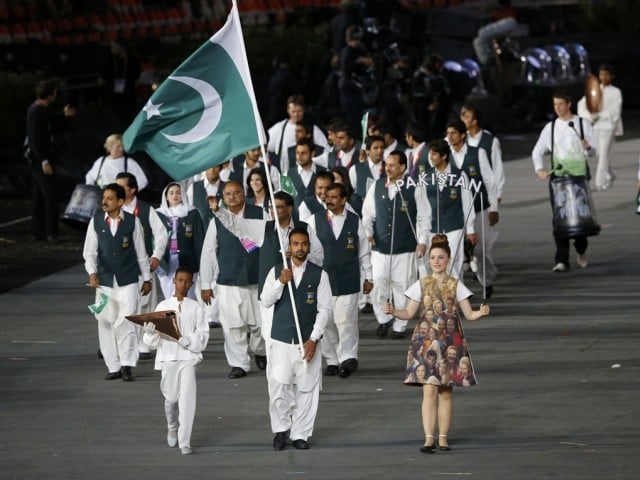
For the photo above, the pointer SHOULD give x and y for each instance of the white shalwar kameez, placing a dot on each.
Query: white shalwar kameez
(177, 361)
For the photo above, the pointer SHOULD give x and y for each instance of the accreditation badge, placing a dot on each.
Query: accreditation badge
(188, 230)
(472, 171)
(125, 241)
(351, 241)
(453, 193)
(311, 297)
(404, 206)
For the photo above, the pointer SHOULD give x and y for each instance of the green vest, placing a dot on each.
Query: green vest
(270, 251)
(447, 213)
(237, 267)
(190, 236)
(341, 259)
(403, 239)
(303, 192)
(200, 201)
(363, 173)
(283, 328)
(471, 166)
(116, 254)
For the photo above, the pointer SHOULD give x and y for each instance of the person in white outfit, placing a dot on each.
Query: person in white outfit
(115, 257)
(294, 371)
(106, 168)
(177, 360)
(282, 135)
(607, 124)
(396, 217)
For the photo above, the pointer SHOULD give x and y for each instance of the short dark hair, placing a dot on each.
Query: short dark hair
(416, 131)
(373, 138)
(308, 126)
(296, 99)
(308, 142)
(439, 146)
(344, 193)
(477, 113)
(46, 88)
(563, 95)
(117, 189)
(132, 181)
(285, 197)
(323, 174)
(183, 270)
(402, 158)
(458, 125)
(300, 230)
(606, 67)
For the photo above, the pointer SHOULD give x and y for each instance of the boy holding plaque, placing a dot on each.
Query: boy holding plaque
(177, 360)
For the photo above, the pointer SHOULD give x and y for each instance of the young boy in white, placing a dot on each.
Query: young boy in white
(178, 360)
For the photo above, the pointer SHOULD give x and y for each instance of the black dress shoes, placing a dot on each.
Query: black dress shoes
(113, 375)
(368, 308)
(280, 441)
(261, 361)
(348, 367)
(145, 356)
(398, 335)
(383, 329)
(301, 444)
(332, 370)
(428, 448)
(237, 372)
(127, 375)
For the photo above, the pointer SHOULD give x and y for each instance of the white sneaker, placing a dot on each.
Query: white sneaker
(560, 267)
(172, 438)
(582, 260)
(185, 450)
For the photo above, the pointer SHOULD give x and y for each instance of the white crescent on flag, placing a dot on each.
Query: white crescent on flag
(211, 113)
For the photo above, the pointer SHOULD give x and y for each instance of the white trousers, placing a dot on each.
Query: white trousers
(341, 335)
(293, 406)
(403, 274)
(487, 269)
(117, 336)
(604, 173)
(239, 315)
(178, 385)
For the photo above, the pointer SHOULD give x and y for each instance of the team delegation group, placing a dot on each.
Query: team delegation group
(379, 224)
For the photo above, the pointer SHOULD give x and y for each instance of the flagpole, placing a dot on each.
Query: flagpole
(261, 137)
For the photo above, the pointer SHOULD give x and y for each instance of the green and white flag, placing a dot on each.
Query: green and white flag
(287, 186)
(205, 112)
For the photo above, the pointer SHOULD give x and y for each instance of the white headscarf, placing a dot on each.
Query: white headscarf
(181, 210)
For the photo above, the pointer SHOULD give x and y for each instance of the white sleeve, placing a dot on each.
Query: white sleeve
(353, 176)
(209, 259)
(160, 235)
(325, 304)
(199, 337)
(304, 213)
(423, 215)
(542, 147)
(497, 165)
(364, 253)
(462, 291)
(369, 210)
(90, 250)
(319, 138)
(272, 289)
(141, 250)
(489, 179)
(92, 175)
(316, 252)
(414, 292)
(468, 209)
